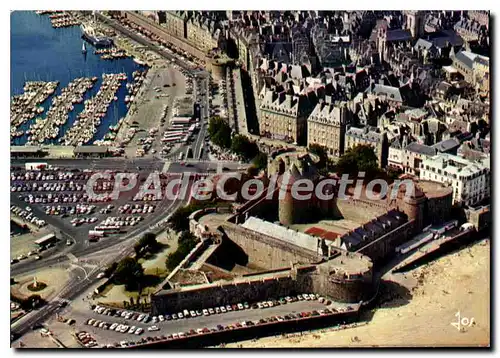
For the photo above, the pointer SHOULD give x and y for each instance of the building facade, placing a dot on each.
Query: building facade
(368, 136)
(326, 126)
(283, 116)
(470, 180)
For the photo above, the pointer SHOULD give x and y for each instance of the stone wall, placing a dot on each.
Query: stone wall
(222, 294)
(267, 252)
(360, 210)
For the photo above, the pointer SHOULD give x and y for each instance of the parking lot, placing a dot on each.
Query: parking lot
(59, 197)
(124, 329)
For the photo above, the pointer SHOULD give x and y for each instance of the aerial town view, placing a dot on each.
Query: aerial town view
(250, 179)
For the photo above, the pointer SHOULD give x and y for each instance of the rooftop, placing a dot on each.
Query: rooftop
(282, 233)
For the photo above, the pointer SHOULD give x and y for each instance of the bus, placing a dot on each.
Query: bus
(112, 229)
(417, 241)
(172, 139)
(177, 126)
(96, 233)
(180, 120)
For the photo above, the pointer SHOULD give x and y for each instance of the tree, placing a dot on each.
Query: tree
(321, 152)
(146, 243)
(110, 269)
(187, 242)
(220, 132)
(241, 145)
(360, 158)
(260, 161)
(129, 273)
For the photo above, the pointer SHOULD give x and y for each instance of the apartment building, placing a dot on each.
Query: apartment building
(326, 126)
(283, 116)
(371, 136)
(470, 180)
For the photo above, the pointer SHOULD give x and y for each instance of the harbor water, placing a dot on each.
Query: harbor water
(42, 53)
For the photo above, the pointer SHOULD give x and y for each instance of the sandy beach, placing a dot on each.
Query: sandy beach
(459, 282)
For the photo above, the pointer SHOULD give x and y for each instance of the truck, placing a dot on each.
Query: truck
(35, 166)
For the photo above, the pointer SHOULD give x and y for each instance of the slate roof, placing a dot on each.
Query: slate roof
(447, 145)
(421, 149)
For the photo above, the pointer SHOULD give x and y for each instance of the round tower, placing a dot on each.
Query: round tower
(413, 205)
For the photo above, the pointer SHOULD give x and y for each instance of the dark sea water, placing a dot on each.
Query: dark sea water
(42, 53)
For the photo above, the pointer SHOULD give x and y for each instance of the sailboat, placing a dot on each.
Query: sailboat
(84, 49)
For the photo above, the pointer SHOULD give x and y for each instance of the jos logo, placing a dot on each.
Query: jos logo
(462, 321)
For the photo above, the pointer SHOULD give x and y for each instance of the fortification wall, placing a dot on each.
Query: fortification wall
(360, 210)
(222, 294)
(265, 251)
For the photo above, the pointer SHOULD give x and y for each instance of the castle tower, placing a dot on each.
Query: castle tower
(412, 205)
(415, 22)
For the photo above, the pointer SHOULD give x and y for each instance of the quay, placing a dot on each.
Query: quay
(57, 115)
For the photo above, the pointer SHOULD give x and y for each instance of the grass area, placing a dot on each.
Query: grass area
(39, 286)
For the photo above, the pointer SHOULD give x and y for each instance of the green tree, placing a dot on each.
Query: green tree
(129, 273)
(361, 158)
(187, 242)
(146, 243)
(110, 269)
(241, 145)
(321, 152)
(220, 132)
(260, 161)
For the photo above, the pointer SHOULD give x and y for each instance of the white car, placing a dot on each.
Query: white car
(132, 329)
(240, 306)
(205, 312)
(113, 326)
(153, 328)
(140, 317)
(139, 331)
(161, 318)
